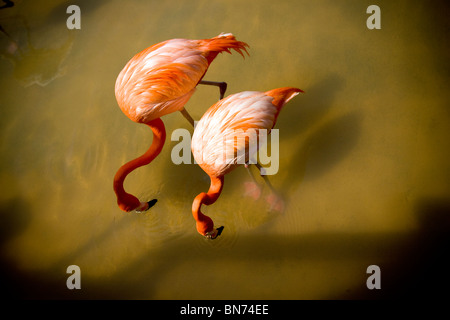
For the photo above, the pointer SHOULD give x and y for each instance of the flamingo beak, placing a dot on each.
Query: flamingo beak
(147, 206)
(215, 233)
(151, 203)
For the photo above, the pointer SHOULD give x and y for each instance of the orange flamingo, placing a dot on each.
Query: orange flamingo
(214, 140)
(158, 81)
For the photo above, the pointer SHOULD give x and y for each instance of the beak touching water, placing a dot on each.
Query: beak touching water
(146, 205)
(214, 234)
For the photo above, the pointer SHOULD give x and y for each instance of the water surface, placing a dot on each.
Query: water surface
(364, 153)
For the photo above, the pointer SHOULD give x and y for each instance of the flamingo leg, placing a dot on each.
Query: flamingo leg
(222, 86)
(187, 116)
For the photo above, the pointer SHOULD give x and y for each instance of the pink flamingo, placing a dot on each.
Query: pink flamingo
(158, 81)
(214, 140)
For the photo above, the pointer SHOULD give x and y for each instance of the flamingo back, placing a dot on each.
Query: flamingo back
(160, 79)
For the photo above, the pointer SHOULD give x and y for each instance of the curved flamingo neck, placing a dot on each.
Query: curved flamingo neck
(204, 223)
(126, 201)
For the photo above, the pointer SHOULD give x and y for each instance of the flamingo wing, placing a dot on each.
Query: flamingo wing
(220, 135)
(160, 79)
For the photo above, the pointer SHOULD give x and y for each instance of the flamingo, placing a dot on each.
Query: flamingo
(214, 138)
(160, 80)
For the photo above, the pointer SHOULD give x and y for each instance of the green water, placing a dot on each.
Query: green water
(364, 166)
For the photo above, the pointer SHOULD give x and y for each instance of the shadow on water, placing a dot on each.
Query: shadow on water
(419, 269)
(308, 108)
(49, 284)
(412, 265)
(319, 143)
(324, 148)
(14, 218)
(7, 4)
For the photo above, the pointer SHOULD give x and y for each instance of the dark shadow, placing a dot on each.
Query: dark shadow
(7, 4)
(418, 269)
(16, 283)
(413, 265)
(14, 218)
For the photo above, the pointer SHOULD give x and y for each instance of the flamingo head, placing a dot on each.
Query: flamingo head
(144, 206)
(205, 226)
(131, 203)
(214, 233)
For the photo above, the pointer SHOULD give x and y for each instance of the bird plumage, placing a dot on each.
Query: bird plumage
(160, 80)
(221, 133)
(220, 136)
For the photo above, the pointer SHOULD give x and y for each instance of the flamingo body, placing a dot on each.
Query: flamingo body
(214, 138)
(157, 81)
(160, 79)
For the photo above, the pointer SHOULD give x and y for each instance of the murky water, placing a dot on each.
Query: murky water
(364, 152)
